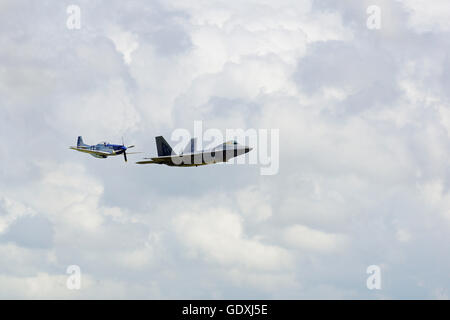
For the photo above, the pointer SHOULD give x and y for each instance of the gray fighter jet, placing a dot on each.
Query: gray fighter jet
(190, 157)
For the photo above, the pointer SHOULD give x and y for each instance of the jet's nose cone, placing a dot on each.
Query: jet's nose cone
(248, 149)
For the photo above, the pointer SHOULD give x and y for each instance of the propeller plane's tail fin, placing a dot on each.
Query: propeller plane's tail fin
(80, 142)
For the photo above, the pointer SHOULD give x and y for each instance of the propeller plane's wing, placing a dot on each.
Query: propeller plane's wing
(95, 152)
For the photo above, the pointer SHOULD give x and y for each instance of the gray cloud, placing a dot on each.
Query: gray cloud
(31, 232)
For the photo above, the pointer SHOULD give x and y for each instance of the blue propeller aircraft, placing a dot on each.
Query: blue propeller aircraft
(102, 150)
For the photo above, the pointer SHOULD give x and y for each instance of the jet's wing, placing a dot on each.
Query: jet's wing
(146, 162)
(97, 152)
(158, 160)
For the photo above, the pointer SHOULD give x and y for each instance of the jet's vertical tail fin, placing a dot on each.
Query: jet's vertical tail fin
(164, 149)
(190, 148)
(80, 142)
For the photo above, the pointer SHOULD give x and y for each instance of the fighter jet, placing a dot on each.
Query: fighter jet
(103, 149)
(189, 157)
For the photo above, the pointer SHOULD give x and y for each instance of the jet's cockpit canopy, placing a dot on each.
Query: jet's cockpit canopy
(231, 142)
(104, 143)
(228, 144)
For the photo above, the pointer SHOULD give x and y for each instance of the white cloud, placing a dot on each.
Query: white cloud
(125, 42)
(11, 210)
(306, 238)
(47, 286)
(435, 194)
(403, 235)
(254, 204)
(109, 111)
(218, 236)
(425, 17)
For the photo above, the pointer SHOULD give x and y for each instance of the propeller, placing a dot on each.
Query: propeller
(125, 151)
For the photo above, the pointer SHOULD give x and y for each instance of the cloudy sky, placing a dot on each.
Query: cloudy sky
(364, 147)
